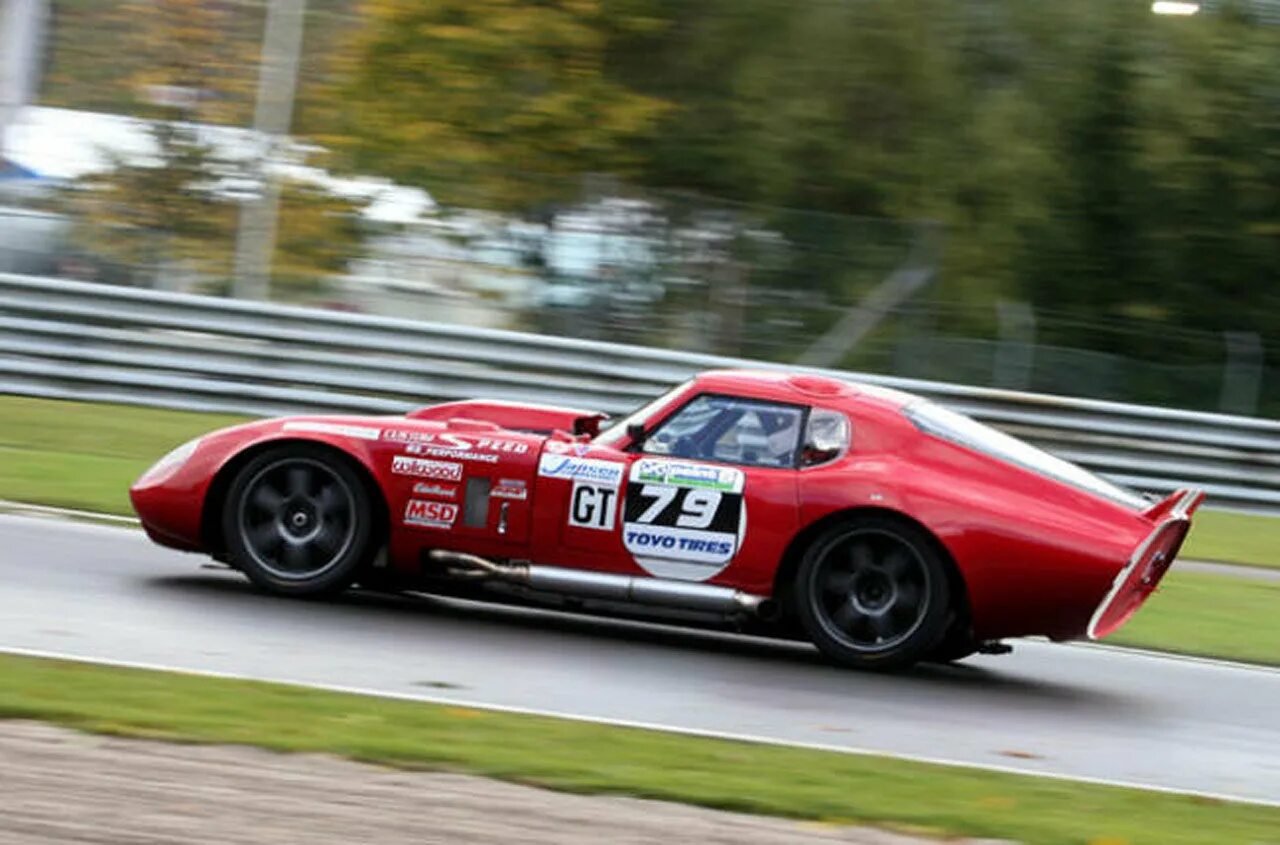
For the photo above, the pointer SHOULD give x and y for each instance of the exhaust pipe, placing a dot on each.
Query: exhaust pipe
(655, 592)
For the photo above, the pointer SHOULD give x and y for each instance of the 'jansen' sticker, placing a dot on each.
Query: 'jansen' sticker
(582, 469)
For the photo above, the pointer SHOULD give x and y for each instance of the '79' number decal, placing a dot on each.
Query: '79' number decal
(696, 510)
(689, 508)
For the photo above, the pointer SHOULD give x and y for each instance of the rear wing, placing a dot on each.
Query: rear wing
(1149, 563)
(1184, 499)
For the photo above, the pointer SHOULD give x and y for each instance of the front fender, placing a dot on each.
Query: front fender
(173, 504)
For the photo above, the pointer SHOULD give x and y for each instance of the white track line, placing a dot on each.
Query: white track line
(1153, 654)
(647, 726)
(70, 513)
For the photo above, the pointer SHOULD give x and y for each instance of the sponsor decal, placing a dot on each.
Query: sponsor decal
(709, 549)
(593, 505)
(396, 435)
(439, 452)
(422, 468)
(608, 473)
(449, 441)
(683, 520)
(359, 432)
(430, 514)
(685, 474)
(510, 488)
(439, 491)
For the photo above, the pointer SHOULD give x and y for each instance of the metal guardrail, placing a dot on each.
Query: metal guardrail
(77, 340)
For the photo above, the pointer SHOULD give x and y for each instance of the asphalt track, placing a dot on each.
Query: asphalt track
(105, 593)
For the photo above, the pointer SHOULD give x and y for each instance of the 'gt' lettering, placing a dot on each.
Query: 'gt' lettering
(592, 506)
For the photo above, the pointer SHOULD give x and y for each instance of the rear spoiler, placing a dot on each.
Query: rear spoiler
(1150, 561)
(1184, 502)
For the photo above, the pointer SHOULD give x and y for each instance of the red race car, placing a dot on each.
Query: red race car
(882, 526)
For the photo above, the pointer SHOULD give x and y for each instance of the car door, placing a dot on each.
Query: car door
(709, 495)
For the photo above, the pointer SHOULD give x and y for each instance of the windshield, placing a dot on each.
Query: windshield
(949, 425)
(617, 430)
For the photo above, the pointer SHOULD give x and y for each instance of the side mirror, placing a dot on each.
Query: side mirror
(635, 433)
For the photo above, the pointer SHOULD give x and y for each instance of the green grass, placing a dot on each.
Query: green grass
(573, 756)
(85, 455)
(1210, 615)
(1234, 538)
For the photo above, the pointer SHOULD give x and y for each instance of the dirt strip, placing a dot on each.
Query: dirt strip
(59, 786)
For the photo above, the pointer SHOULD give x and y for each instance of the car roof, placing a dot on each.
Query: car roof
(801, 387)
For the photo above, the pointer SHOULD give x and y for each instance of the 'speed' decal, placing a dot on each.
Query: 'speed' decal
(683, 520)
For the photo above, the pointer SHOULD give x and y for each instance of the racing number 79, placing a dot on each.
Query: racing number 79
(696, 510)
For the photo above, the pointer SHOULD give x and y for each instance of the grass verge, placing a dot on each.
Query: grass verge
(1234, 538)
(1209, 615)
(579, 757)
(85, 455)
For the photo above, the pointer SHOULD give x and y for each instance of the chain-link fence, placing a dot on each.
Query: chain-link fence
(678, 271)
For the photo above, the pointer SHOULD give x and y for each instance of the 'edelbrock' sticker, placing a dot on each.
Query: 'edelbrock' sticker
(582, 469)
(439, 491)
(422, 468)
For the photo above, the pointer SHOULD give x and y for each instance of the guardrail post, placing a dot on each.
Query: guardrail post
(1241, 373)
(1015, 352)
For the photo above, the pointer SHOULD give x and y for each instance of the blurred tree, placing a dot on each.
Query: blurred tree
(173, 209)
(1116, 168)
(154, 214)
(490, 103)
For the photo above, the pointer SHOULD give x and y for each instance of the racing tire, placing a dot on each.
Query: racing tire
(298, 521)
(872, 593)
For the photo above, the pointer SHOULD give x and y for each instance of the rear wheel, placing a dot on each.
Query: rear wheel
(298, 521)
(872, 593)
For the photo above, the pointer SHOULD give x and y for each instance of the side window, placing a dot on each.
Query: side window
(826, 437)
(738, 431)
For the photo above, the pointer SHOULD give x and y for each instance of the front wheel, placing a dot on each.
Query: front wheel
(298, 521)
(872, 593)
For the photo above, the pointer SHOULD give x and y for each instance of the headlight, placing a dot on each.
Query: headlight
(167, 465)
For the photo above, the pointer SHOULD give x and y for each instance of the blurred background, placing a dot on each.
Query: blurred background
(1077, 197)
(217, 209)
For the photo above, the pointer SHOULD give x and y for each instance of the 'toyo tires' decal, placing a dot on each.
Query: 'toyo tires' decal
(683, 520)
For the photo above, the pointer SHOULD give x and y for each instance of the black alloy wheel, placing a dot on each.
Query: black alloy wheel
(873, 593)
(298, 521)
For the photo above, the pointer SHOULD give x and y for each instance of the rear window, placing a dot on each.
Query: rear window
(964, 431)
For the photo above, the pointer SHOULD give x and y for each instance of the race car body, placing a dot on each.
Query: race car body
(882, 526)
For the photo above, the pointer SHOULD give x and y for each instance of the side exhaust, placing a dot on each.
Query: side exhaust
(655, 592)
